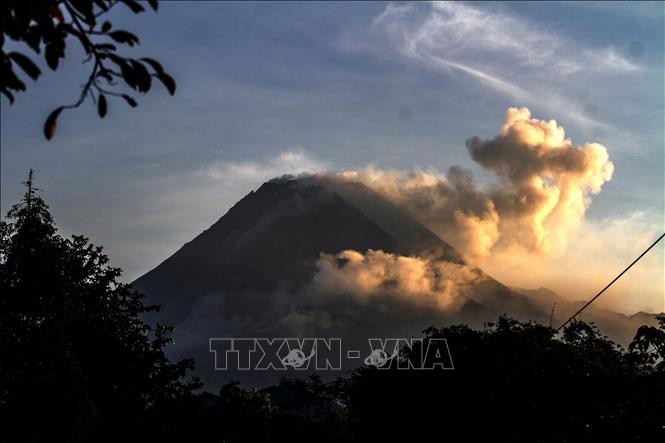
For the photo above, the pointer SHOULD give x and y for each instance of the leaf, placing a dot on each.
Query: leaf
(9, 96)
(167, 81)
(128, 74)
(26, 64)
(102, 106)
(13, 82)
(143, 80)
(153, 4)
(52, 56)
(51, 123)
(124, 37)
(130, 101)
(134, 6)
(106, 26)
(32, 38)
(156, 66)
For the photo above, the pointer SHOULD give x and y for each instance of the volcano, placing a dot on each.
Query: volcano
(250, 274)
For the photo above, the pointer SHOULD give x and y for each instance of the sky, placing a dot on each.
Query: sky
(266, 89)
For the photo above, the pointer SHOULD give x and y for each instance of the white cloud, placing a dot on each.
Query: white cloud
(458, 32)
(507, 53)
(457, 27)
(293, 162)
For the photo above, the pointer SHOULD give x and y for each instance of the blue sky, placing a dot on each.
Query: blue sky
(270, 88)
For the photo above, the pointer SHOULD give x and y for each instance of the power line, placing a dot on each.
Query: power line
(610, 284)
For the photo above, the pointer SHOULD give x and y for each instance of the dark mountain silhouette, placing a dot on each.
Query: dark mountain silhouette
(269, 239)
(417, 239)
(249, 273)
(273, 237)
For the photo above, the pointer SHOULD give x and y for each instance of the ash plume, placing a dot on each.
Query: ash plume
(543, 189)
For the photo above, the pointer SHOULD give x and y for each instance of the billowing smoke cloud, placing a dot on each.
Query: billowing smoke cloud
(543, 189)
(450, 205)
(368, 276)
(348, 290)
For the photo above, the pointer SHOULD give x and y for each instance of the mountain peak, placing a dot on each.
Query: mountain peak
(271, 237)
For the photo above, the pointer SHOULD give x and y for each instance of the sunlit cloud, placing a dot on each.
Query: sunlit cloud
(599, 251)
(543, 189)
(373, 274)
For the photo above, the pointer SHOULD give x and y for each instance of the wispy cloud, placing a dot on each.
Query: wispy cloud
(504, 52)
(293, 162)
(456, 29)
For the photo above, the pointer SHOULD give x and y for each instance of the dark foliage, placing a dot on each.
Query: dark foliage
(512, 381)
(46, 25)
(517, 381)
(77, 362)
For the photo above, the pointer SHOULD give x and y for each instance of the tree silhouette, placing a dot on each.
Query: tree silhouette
(513, 381)
(648, 347)
(78, 362)
(47, 25)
